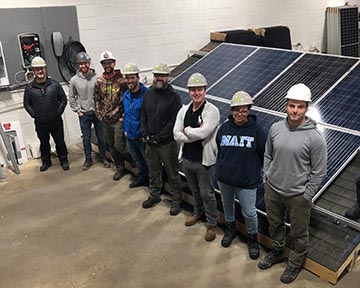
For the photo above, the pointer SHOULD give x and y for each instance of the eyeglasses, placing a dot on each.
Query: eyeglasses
(107, 63)
(243, 112)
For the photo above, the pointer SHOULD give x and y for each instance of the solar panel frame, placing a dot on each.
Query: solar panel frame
(216, 65)
(255, 72)
(319, 72)
(341, 105)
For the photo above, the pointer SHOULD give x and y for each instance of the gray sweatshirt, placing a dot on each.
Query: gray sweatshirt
(295, 159)
(81, 92)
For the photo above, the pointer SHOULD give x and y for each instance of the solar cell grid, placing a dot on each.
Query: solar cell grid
(341, 106)
(319, 72)
(255, 72)
(216, 64)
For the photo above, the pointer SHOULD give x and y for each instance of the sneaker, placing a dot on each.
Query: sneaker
(210, 233)
(270, 259)
(353, 214)
(175, 208)
(65, 165)
(104, 162)
(290, 274)
(87, 164)
(45, 166)
(139, 183)
(191, 220)
(118, 174)
(151, 201)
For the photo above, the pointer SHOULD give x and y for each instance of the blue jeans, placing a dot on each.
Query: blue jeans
(86, 120)
(247, 199)
(137, 150)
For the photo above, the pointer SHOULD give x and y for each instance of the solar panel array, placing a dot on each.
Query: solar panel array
(267, 74)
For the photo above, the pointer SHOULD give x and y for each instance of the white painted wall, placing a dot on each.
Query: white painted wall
(151, 31)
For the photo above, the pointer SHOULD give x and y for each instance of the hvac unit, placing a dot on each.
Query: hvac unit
(343, 30)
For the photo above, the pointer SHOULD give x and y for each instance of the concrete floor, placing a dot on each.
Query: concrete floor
(81, 229)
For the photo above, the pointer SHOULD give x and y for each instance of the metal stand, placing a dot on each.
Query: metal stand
(10, 152)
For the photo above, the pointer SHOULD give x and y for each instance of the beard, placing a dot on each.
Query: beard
(160, 84)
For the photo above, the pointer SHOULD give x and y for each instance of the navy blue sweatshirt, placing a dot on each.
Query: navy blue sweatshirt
(241, 153)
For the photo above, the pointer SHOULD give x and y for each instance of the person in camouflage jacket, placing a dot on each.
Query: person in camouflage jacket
(109, 109)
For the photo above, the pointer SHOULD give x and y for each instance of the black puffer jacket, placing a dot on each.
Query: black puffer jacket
(45, 103)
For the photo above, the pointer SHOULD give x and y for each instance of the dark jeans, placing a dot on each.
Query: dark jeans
(56, 130)
(86, 120)
(116, 141)
(200, 180)
(137, 150)
(299, 213)
(163, 155)
(358, 190)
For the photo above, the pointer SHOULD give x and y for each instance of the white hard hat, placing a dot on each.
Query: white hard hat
(131, 68)
(161, 68)
(106, 55)
(299, 92)
(241, 98)
(37, 61)
(197, 80)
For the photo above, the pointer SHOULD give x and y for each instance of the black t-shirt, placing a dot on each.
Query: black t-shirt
(193, 151)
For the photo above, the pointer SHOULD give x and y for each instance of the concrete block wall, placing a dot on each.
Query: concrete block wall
(151, 31)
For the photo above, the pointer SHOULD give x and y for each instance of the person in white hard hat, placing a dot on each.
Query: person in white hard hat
(195, 129)
(109, 109)
(45, 101)
(81, 99)
(132, 100)
(158, 113)
(294, 167)
(241, 143)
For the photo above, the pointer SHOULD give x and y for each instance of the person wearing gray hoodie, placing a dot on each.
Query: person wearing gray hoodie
(294, 167)
(81, 98)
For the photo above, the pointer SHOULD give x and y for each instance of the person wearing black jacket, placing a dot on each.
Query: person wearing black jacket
(241, 143)
(45, 101)
(158, 114)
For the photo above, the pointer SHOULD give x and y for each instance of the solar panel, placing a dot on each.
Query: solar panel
(255, 72)
(216, 64)
(317, 71)
(342, 105)
(273, 72)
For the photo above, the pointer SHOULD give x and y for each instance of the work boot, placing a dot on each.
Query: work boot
(270, 259)
(139, 183)
(230, 234)
(210, 233)
(253, 246)
(353, 214)
(191, 220)
(87, 164)
(290, 274)
(175, 208)
(151, 201)
(104, 162)
(45, 166)
(65, 165)
(119, 173)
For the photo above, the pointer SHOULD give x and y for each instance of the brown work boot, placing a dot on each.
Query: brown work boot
(191, 220)
(210, 233)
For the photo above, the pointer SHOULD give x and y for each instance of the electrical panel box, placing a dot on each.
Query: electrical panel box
(29, 47)
(4, 79)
